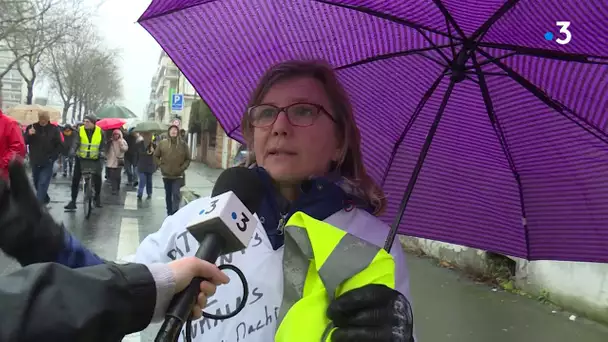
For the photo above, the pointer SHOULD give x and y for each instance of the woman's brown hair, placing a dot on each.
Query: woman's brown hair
(350, 165)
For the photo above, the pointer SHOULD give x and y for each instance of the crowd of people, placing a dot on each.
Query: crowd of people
(71, 150)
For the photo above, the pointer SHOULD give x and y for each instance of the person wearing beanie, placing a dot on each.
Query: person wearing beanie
(173, 158)
(88, 148)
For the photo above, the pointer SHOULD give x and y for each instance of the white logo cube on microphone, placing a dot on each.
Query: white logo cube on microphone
(227, 216)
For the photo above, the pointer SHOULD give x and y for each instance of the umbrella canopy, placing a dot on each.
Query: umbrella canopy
(150, 127)
(28, 114)
(114, 111)
(111, 123)
(489, 116)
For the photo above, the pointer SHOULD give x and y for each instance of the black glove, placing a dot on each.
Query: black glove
(372, 313)
(28, 232)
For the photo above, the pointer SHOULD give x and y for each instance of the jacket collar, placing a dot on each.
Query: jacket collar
(319, 198)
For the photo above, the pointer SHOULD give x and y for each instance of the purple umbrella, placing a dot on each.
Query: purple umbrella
(490, 116)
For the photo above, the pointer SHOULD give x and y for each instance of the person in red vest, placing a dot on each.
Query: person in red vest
(11, 142)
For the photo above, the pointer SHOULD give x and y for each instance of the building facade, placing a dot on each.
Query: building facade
(14, 88)
(213, 148)
(169, 80)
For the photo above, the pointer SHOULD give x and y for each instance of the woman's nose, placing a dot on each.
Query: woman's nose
(281, 126)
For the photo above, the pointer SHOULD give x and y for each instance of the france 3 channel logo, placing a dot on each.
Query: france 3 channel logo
(564, 31)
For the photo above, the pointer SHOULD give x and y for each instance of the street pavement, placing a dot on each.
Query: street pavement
(448, 306)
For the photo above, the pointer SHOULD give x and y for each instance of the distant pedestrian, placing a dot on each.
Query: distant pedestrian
(45, 145)
(173, 158)
(88, 149)
(131, 157)
(115, 159)
(145, 164)
(68, 156)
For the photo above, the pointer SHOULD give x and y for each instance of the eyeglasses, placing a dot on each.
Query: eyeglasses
(298, 114)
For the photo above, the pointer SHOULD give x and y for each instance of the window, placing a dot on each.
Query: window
(212, 138)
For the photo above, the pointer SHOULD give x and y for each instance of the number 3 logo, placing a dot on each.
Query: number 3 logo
(207, 211)
(564, 29)
(242, 226)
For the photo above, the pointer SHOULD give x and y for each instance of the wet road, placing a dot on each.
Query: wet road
(447, 305)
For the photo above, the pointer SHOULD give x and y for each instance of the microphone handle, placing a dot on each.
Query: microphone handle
(181, 304)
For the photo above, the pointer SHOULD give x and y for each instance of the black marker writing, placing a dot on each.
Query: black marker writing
(257, 240)
(244, 329)
(184, 236)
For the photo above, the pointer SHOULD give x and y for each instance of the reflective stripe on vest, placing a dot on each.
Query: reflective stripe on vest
(321, 262)
(89, 149)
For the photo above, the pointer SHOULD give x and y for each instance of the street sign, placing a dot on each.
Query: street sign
(177, 102)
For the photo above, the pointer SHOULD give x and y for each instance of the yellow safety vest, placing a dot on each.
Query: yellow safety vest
(89, 149)
(321, 262)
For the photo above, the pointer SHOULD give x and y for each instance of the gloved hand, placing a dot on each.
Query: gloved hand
(28, 232)
(372, 313)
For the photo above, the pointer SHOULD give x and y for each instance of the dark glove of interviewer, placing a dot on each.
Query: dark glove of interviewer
(28, 232)
(372, 313)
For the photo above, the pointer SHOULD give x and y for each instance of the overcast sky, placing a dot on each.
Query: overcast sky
(117, 23)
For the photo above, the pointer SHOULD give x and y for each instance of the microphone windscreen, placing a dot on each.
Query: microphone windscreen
(244, 183)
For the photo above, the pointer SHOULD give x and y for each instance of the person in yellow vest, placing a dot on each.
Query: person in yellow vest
(88, 148)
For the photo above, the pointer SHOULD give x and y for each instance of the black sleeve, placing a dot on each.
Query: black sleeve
(50, 302)
(57, 144)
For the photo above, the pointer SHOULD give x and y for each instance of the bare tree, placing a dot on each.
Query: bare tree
(15, 17)
(102, 83)
(84, 73)
(14, 14)
(54, 26)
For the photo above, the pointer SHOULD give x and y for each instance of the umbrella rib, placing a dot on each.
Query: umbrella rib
(545, 53)
(411, 121)
(488, 61)
(555, 105)
(385, 16)
(448, 61)
(431, 58)
(391, 55)
(418, 167)
(447, 25)
(450, 19)
(488, 73)
(485, 27)
(487, 99)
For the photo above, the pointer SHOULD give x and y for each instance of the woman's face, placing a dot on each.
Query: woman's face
(290, 153)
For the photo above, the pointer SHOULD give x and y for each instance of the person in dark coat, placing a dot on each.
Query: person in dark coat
(131, 157)
(145, 164)
(45, 144)
(69, 136)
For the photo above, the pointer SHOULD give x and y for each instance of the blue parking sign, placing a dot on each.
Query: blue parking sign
(177, 102)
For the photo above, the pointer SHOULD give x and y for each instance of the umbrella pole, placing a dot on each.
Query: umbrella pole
(410, 185)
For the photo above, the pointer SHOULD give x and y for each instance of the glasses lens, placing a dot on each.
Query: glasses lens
(302, 114)
(263, 115)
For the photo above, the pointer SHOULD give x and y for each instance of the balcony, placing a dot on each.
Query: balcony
(172, 73)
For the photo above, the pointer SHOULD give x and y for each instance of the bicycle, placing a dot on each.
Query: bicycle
(87, 189)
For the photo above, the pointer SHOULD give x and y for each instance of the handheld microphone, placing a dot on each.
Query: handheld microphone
(225, 225)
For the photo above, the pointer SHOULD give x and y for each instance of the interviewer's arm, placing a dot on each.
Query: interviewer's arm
(99, 303)
(50, 302)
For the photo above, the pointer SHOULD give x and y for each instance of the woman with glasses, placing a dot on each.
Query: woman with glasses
(304, 145)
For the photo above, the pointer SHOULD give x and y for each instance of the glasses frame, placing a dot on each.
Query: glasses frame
(320, 110)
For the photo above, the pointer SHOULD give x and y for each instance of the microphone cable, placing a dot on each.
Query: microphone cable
(239, 308)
